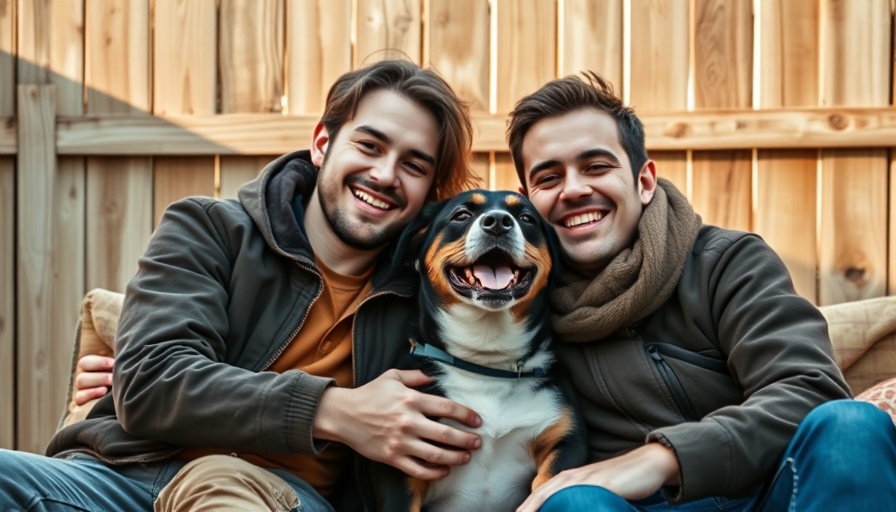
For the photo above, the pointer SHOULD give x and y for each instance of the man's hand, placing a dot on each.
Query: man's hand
(93, 378)
(634, 476)
(387, 421)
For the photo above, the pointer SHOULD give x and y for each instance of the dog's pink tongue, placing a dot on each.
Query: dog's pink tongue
(493, 278)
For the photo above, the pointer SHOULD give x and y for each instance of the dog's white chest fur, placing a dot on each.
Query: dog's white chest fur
(500, 473)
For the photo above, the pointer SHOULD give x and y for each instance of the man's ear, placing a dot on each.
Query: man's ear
(647, 182)
(319, 143)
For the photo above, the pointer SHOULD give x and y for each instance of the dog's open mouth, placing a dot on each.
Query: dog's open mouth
(494, 273)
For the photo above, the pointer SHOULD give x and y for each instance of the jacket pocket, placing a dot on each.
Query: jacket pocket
(698, 384)
(676, 390)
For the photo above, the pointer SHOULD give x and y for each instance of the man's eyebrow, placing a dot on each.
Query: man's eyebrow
(591, 153)
(373, 132)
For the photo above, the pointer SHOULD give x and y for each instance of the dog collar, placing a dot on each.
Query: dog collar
(435, 353)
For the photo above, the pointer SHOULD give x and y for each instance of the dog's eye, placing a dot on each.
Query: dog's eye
(527, 218)
(461, 216)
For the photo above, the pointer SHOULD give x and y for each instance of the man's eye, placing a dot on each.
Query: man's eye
(547, 180)
(416, 168)
(369, 146)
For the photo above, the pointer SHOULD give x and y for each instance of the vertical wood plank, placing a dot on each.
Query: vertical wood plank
(119, 190)
(7, 234)
(660, 38)
(183, 57)
(591, 33)
(853, 220)
(854, 182)
(505, 177)
(388, 29)
(36, 230)
(7, 303)
(7, 58)
(50, 38)
(723, 40)
(660, 35)
(458, 43)
(526, 49)
(721, 188)
(251, 55)
(119, 219)
(237, 170)
(786, 199)
(251, 44)
(184, 82)
(319, 50)
(891, 281)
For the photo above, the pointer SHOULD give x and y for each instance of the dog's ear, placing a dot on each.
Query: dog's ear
(408, 247)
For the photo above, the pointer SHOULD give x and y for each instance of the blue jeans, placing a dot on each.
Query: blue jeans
(38, 483)
(30, 482)
(842, 457)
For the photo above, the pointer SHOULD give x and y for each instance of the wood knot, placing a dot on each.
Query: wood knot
(855, 274)
(677, 130)
(838, 122)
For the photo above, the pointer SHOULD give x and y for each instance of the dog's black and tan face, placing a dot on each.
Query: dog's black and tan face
(488, 250)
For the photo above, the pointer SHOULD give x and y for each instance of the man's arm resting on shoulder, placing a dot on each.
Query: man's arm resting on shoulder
(633, 476)
(388, 421)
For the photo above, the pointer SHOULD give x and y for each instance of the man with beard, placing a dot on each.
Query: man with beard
(255, 339)
(705, 381)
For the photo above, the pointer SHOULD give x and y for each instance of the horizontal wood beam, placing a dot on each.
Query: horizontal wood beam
(271, 134)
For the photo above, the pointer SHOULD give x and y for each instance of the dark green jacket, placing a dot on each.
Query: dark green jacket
(723, 372)
(220, 292)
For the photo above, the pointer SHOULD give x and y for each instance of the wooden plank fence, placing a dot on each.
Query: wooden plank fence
(775, 116)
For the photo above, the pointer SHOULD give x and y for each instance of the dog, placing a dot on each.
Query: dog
(485, 261)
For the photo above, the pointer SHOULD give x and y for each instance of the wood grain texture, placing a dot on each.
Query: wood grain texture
(252, 44)
(591, 38)
(43, 372)
(236, 171)
(660, 41)
(184, 78)
(117, 56)
(854, 182)
(786, 196)
(183, 54)
(251, 55)
(264, 134)
(721, 188)
(853, 225)
(387, 29)
(723, 38)
(458, 48)
(8, 411)
(7, 59)
(119, 219)
(526, 48)
(318, 49)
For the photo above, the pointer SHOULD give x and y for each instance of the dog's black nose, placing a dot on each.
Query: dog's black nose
(497, 223)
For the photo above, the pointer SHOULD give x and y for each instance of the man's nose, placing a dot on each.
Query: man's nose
(574, 187)
(385, 172)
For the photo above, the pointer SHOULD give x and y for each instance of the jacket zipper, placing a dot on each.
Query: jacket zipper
(679, 396)
(320, 289)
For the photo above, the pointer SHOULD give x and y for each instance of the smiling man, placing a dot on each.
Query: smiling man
(705, 381)
(254, 338)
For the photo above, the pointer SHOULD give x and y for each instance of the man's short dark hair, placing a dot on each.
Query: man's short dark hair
(569, 94)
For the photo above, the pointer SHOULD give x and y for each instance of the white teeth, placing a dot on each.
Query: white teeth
(372, 201)
(585, 218)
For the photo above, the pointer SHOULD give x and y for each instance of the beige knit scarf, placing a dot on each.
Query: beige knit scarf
(637, 281)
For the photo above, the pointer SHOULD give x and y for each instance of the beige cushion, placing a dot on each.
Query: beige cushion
(95, 334)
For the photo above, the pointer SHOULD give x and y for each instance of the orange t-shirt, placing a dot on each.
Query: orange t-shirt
(323, 347)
